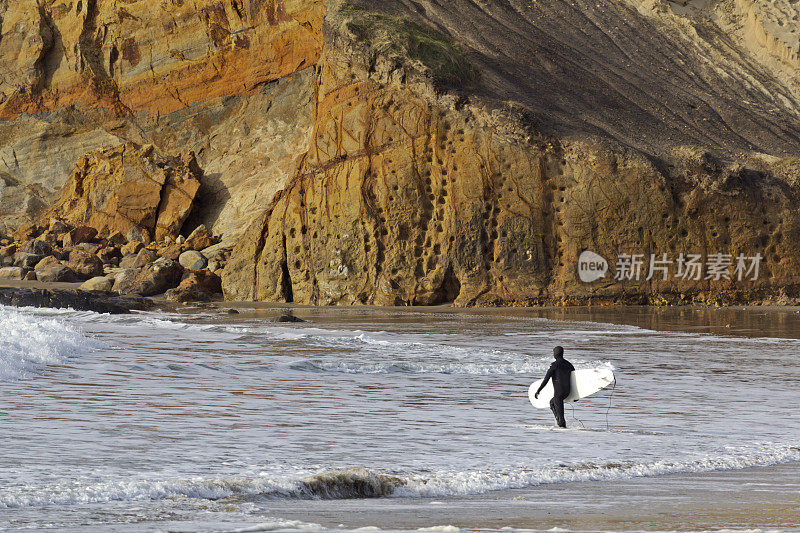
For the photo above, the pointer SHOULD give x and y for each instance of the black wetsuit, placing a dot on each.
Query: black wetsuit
(559, 372)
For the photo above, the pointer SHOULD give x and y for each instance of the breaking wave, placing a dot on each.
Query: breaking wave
(29, 343)
(512, 366)
(398, 367)
(358, 483)
(333, 485)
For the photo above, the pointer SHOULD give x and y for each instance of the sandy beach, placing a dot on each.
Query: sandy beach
(753, 498)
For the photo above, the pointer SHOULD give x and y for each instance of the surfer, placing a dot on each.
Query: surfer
(559, 372)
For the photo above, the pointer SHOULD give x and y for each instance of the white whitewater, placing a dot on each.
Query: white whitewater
(146, 418)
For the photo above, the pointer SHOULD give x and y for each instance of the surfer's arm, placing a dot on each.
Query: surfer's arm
(544, 381)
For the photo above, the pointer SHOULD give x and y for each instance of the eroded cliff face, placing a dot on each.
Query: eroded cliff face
(402, 202)
(156, 56)
(227, 79)
(409, 198)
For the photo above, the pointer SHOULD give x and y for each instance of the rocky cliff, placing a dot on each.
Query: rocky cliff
(488, 193)
(418, 152)
(228, 80)
(130, 191)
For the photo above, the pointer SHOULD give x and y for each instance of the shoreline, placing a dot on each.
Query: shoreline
(756, 497)
(744, 321)
(49, 285)
(740, 320)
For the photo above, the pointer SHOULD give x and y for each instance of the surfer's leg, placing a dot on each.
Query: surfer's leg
(553, 408)
(557, 404)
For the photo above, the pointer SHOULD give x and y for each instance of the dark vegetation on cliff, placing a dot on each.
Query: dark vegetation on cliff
(404, 38)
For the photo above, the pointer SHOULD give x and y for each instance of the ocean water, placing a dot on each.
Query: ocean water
(203, 421)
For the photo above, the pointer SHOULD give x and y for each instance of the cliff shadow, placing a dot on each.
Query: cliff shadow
(211, 198)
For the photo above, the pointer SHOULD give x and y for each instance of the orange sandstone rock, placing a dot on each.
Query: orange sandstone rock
(126, 187)
(149, 55)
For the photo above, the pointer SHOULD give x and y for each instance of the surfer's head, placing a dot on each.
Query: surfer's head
(558, 352)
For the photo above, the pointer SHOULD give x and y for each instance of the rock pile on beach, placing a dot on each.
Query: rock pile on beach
(184, 268)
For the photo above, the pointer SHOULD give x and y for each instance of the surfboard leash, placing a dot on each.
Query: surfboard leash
(572, 408)
(613, 386)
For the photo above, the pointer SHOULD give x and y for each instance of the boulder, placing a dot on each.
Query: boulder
(132, 247)
(205, 280)
(30, 276)
(109, 255)
(84, 264)
(124, 279)
(26, 260)
(196, 287)
(192, 260)
(7, 255)
(220, 251)
(199, 239)
(38, 246)
(89, 247)
(15, 273)
(288, 317)
(46, 262)
(155, 278)
(117, 239)
(98, 284)
(57, 227)
(53, 239)
(62, 254)
(172, 251)
(27, 232)
(55, 273)
(8, 251)
(144, 257)
(177, 199)
(128, 261)
(186, 294)
(132, 190)
(137, 234)
(80, 234)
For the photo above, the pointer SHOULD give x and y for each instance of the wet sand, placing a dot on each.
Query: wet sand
(762, 498)
(745, 321)
(14, 284)
(748, 321)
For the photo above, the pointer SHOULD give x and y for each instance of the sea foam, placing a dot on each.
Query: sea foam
(30, 342)
(359, 483)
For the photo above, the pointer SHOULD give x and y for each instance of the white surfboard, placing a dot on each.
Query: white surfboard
(583, 383)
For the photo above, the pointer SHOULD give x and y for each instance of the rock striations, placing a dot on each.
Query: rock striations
(409, 197)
